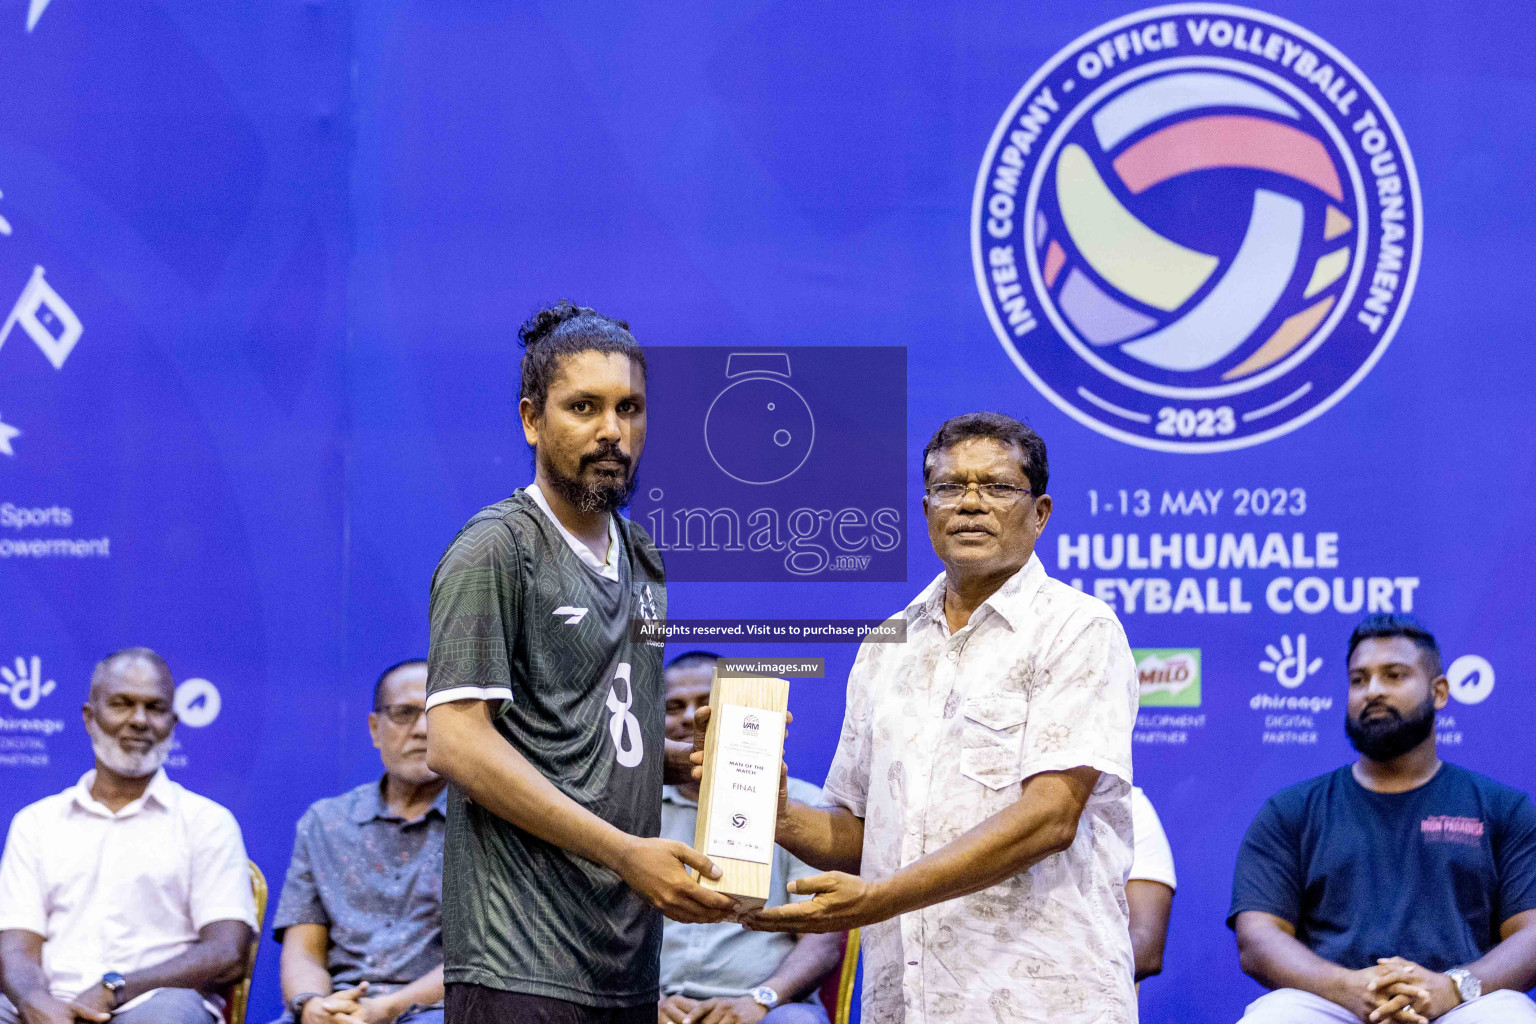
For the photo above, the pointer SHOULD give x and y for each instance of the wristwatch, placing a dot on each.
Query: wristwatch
(296, 1007)
(765, 997)
(114, 983)
(1467, 984)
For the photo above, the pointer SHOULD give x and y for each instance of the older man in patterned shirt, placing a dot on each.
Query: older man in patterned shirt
(361, 915)
(981, 827)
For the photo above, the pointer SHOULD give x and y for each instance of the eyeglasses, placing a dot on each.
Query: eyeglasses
(403, 714)
(948, 495)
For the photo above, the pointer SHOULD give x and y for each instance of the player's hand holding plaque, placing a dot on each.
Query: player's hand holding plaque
(739, 789)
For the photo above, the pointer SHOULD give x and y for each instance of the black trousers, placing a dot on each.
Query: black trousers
(477, 1004)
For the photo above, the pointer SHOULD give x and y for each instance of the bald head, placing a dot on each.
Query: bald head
(137, 668)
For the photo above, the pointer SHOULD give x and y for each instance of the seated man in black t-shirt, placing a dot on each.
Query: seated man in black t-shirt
(1399, 888)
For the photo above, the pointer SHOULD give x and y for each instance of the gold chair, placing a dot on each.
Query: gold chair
(844, 1008)
(240, 991)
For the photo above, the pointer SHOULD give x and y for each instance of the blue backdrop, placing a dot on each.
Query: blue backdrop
(267, 367)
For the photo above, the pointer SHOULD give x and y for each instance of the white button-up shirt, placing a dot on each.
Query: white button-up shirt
(938, 736)
(125, 891)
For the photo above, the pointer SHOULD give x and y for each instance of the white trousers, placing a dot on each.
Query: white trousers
(1293, 1006)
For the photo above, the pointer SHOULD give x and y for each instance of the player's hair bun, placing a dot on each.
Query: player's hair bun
(565, 329)
(546, 321)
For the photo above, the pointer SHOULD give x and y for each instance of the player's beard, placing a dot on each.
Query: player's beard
(1391, 736)
(605, 496)
(134, 766)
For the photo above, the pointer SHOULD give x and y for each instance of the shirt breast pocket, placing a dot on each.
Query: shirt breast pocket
(992, 741)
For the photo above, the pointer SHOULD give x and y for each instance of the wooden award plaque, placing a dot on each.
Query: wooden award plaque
(739, 793)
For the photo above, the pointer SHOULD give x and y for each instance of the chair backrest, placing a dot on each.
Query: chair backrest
(841, 1009)
(240, 992)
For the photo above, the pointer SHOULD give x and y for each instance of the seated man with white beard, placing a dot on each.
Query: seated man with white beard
(125, 896)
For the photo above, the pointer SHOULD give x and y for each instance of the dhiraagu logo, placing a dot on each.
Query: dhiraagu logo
(1196, 228)
(1169, 676)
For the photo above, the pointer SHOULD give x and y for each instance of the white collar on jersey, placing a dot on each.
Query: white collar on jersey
(607, 568)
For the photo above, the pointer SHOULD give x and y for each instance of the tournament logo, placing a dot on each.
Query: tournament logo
(1196, 228)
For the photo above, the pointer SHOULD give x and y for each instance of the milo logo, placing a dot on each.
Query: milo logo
(1169, 676)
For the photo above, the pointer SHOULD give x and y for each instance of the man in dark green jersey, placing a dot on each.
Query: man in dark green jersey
(548, 719)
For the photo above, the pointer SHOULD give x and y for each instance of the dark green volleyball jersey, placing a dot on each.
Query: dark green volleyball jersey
(520, 621)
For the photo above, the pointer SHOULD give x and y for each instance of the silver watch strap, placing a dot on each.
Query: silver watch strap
(1468, 985)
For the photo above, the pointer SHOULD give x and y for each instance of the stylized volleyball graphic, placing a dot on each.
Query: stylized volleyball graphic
(1196, 228)
(1208, 295)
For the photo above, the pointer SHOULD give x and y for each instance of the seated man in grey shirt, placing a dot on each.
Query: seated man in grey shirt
(361, 918)
(722, 973)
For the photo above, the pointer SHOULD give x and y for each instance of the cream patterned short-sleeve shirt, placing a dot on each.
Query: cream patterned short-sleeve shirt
(938, 736)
